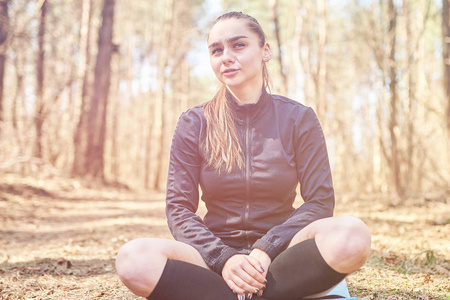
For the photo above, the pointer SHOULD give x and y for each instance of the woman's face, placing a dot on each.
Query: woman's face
(236, 56)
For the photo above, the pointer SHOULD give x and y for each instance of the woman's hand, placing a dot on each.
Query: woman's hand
(264, 260)
(243, 274)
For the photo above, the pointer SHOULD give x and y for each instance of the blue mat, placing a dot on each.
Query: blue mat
(339, 292)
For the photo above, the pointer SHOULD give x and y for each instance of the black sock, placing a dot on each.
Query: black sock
(185, 281)
(300, 271)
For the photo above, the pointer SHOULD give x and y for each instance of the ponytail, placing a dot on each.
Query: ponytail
(221, 143)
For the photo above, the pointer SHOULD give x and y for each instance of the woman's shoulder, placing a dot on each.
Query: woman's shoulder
(194, 116)
(287, 104)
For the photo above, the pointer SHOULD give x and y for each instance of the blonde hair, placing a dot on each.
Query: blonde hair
(221, 142)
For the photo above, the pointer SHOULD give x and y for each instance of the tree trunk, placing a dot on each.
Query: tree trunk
(284, 80)
(4, 27)
(393, 126)
(314, 39)
(39, 110)
(2, 84)
(321, 72)
(80, 135)
(412, 91)
(184, 103)
(446, 60)
(148, 159)
(303, 26)
(446, 54)
(115, 111)
(18, 94)
(296, 70)
(159, 112)
(98, 109)
(148, 152)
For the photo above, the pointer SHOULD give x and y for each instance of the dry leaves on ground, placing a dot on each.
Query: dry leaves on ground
(58, 240)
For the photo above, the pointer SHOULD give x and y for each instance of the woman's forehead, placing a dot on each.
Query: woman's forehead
(225, 29)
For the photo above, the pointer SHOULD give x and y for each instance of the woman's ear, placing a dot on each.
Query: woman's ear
(267, 52)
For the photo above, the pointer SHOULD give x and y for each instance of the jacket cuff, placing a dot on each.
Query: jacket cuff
(267, 247)
(220, 262)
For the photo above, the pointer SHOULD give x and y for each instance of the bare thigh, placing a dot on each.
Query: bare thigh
(172, 249)
(310, 231)
(140, 263)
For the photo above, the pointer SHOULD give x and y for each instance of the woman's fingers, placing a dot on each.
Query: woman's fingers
(242, 293)
(245, 282)
(249, 271)
(242, 275)
(256, 264)
(263, 262)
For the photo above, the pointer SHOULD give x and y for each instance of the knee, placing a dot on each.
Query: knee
(138, 264)
(355, 240)
(127, 257)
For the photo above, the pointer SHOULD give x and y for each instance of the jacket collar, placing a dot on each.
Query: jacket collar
(252, 110)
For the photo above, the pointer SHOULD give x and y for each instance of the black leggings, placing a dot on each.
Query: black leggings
(297, 272)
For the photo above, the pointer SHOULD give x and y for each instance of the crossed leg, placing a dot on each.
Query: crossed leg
(140, 262)
(343, 242)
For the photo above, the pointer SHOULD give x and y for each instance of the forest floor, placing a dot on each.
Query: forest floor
(59, 238)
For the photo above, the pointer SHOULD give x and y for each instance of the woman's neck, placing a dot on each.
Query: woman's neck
(246, 97)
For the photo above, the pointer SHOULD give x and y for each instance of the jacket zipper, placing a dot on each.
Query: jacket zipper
(247, 177)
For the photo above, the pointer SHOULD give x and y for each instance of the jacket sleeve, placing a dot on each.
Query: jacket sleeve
(182, 197)
(316, 187)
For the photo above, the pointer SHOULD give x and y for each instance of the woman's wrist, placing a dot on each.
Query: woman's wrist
(262, 256)
(222, 259)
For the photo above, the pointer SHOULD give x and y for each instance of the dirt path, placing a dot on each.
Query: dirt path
(58, 240)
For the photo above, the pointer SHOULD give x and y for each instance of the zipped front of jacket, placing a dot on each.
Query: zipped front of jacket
(247, 177)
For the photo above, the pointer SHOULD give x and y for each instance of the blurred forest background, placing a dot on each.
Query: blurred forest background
(93, 89)
(90, 93)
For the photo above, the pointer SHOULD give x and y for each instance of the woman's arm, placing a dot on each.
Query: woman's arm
(182, 195)
(316, 186)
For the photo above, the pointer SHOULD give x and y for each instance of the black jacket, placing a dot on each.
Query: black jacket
(284, 145)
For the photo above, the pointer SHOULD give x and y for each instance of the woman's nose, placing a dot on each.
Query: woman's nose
(227, 57)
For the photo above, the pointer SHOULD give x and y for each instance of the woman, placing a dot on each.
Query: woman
(247, 150)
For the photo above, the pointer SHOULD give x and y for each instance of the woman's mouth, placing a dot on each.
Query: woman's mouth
(230, 72)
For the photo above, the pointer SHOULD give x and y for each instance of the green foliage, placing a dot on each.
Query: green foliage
(431, 258)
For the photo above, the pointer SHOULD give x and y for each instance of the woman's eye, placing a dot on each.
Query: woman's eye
(216, 51)
(239, 45)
